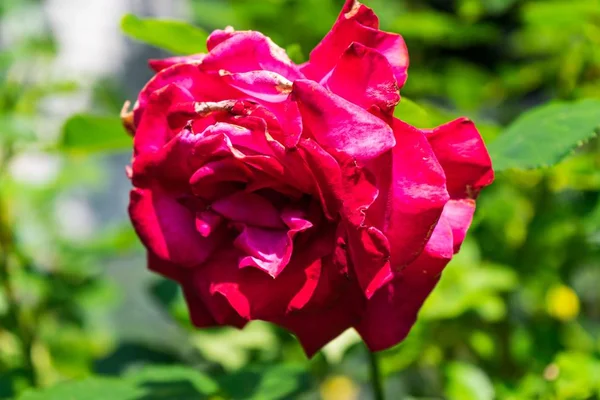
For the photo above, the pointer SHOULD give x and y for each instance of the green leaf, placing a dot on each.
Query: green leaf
(89, 133)
(413, 114)
(545, 135)
(175, 36)
(89, 389)
(149, 383)
(265, 383)
(173, 382)
(468, 382)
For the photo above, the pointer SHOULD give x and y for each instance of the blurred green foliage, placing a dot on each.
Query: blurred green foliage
(515, 316)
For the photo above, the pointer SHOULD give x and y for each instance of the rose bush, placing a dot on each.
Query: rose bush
(290, 193)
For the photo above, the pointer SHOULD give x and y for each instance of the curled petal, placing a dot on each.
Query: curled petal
(256, 295)
(159, 64)
(207, 222)
(153, 128)
(461, 152)
(364, 77)
(358, 25)
(200, 315)
(272, 91)
(175, 163)
(315, 329)
(245, 51)
(393, 310)
(249, 209)
(168, 229)
(370, 253)
(340, 126)
(412, 194)
(269, 249)
(459, 214)
(264, 85)
(201, 85)
(226, 169)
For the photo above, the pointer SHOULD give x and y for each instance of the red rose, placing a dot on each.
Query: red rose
(290, 193)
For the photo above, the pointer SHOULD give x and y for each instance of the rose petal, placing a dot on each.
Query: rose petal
(358, 25)
(340, 126)
(461, 152)
(249, 209)
(271, 250)
(263, 85)
(364, 77)
(226, 169)
(174, 164)
(272, 91)
(168, 229)
(459, 214)
(200, 315)
(315, 328)
(159, 64)
(201, 85)
(412, 194)
(370, 253)
(207, 222)
(245, 51)
(256, 295)
(153, 130)
(392, 311)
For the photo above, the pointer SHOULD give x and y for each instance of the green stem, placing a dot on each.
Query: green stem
(376, 378)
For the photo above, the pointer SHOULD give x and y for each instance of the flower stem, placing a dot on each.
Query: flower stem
(376, 378)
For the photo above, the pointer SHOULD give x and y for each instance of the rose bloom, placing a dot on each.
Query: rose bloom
(290, 193)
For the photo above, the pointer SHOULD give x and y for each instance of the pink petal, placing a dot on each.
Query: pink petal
(203, 86)
(226, 169)
(462, 153)
(272, 91)
(412, 194)
(207, 222)
(370, 253)
(271, 250)
(200, 315)
(159, 64)
(245, 51)
(392, 311)
(153, 130)
(364, 77)
(249, 209)
(174, 164)
(316, 327)
(168, 229)
(358, 25)
(165, 268)
(340, 126)
(263, 85)
(256, 295)
(459, 214)
(341, 185)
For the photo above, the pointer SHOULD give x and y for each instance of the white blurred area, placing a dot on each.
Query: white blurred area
(90, 47)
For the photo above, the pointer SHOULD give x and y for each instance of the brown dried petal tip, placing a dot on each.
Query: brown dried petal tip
(127, 118)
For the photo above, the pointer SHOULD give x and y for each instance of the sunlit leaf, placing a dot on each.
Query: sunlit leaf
(175, 36)
(545, 135)
(413, 114)
(174, 382)
(468, 382)
(89, 389)
(89, 133)
(265, 383)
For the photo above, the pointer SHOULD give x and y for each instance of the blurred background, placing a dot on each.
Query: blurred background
(515, 316)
